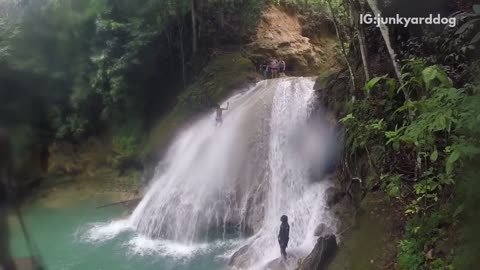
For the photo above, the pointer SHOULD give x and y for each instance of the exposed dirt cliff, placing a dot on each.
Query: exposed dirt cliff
(283, 35)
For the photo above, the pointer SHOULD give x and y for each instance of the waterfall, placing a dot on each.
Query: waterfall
(237, 179)
(211, 175)
(291, 191)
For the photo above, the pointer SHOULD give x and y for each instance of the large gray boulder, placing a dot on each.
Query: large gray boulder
(322, 254)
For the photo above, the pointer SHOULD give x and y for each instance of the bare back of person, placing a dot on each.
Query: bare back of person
(219, 113)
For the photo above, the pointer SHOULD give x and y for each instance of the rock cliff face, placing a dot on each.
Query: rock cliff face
(322, 255)
(280, 35)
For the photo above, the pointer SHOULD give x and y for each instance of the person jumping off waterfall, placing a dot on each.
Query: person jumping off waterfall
(283, 236)
(219, 110)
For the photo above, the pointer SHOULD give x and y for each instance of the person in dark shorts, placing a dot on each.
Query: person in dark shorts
(219, 113)
(283, 236)
(6, 167)
(274, 68)
(264, 69)
(281, 66)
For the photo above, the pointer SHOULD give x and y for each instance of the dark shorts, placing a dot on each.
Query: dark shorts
(283, 244)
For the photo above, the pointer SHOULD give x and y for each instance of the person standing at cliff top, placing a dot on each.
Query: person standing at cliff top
(281, 66)
(283, 236)
(264, 68)
(274, 68)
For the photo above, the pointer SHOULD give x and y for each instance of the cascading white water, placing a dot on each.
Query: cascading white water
(211, 173)
(237, 179)
(291, 192)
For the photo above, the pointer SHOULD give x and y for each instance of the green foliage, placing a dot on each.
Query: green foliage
(439, 114)
(409, 256)
(93, 64)
(222, 75)
(367, 131)
(116, 57)
(74, 125)
(125, 146)
(249, 15)
(468, 238)
(126, 143)
(427, 139)
(8, 31)
(21, 139)
(392, 185)
(225, 73)
(425, 235)
(48, 64)
(455, 47)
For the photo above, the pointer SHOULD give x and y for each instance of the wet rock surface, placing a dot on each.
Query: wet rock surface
(322, 255)
(333, 196)
(282, 264)
(371, 242)
(239, 258)
(323, 230)
(343, 211)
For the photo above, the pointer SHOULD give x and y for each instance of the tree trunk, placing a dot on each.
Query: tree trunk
(194, 29)
(355, 8)
(393, 56)
(199, 6)
(180, 39)
(182, 55)
(386, 37)
(342, 47)
(221, 15)
(364, 52)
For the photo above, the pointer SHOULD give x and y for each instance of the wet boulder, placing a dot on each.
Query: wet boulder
(322, 254)
(282, 264)
(240, 257)
(333, 196)
(322, 230)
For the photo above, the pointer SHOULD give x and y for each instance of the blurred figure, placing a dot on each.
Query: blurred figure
(281, 66)
(317, 145)
(264, 69)
(274, 68)
(6, 167)
(283, 236)
(219, 111)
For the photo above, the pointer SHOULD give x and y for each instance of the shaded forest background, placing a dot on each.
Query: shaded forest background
(128, 73)
(75, 69)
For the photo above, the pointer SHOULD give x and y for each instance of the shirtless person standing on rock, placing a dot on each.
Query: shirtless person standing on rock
(219, 111)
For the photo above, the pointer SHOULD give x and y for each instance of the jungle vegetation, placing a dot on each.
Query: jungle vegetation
(75, 69)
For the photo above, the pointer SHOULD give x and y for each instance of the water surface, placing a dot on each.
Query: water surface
(58, 225)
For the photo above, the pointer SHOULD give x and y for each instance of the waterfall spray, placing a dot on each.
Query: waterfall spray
(236, 180)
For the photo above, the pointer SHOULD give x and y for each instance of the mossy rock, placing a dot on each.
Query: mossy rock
(225, 73)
